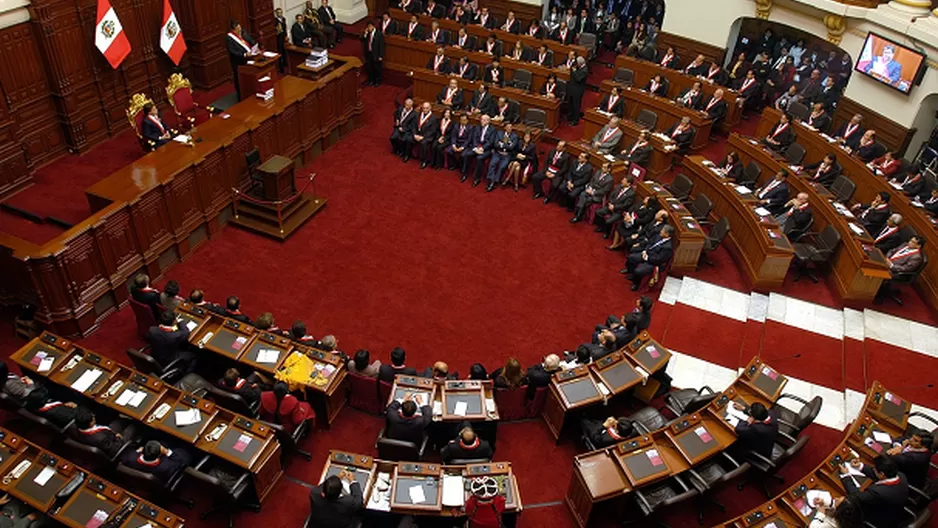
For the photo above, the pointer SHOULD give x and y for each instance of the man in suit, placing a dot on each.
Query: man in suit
(512, 24)
(692, 97)
(912, 456)
(658, 252)
(436, 35)
(883, 502)
(434, 10)
(555, 168)
(576, 87)
(544, 57)
(152, 127)
(849, 133)
(109, 439)
(494, 73)
(620, 201)
(485, 19)
(535, 30)
(874, 215)
(388, 25)
(411, 6)
(439, 63)
(247, 388)
(930, 202)
(480, 150)
(169, 342)
(811, 87)
(460, 139)
(796, 215)
(143, 293)
(738, 70)
(781, 135)
(157, 460)
(913, 183)
(539, 375)
(298, 33)
(889, 237)
(504, 112)
(824, 171)
(607, 433)
(329, 506)
(657, 86)
(819, 120)
(716, 108)
(716, 74)
(576, 179)
(373, 44)
(503, 150)
(668, 59)
(869, 149)
(387, 372)
(315, 26)
(413, 30)
(638, 152)
(39, 402)
(608, 137)
(594, 192)
(404, 422)
(465, 69)
(697, 67)
(774, 194)
(280, 27)
(467, 445)
(759, 432)
(240, 49)
(327, 16)
(681, 134)
(405, 121)
(563, 34)
(748, 90)
(464, 40)
(451, 96)
(482, 102)
(907, 257)
(613, 103)
(233, 310)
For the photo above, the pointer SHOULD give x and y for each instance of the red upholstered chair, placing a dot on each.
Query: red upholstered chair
(144, 316)
(637, 172)
(135, 116)
(511, 403)
(179, 93)
(363, 393)
(535, 405)
(653, 281)
(592, 208)
(384, 392)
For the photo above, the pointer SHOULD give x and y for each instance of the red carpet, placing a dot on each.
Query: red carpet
(721, 347)
(811, 357)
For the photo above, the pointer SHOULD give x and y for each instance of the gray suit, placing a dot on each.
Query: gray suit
(607, 144)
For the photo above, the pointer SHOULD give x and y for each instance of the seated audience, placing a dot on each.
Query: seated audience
(868, 149)
(781, 135)
(170, 298)
(523, 163)
(824, 172)
(477, 372)
(759, 432)
(406, 421)
(619, 202)
(849, 133)
(787, 98)
(886, 165)
(494, 73)
(874, 215)
(233, 310)
(17, 386)
(890, 237)
(143, 293)
(439, 372)
(397, 366)
(405, 121)
(539, 375)
(169, 342)
(774, 194)
(503, 151)
(509, 376)
(265, 322)
(643, 216)
(913, 183)
(330, 507)
(444, 134)
(731, 167)
(298, 333)
(550, 89)
(843, 514)
(360, 364)
(451, 96)
(796, 215)
(594, 192)
(638, 152)
(642, 263)
(438, 62)
(197, 298)
(157, 460)
(681, 134)
(108, 438)
(657, 86)
(883, 502)
(248, 388)
(608, 137)
(17, 514)
(153, 128)
(576, 179)
(467, 445)
(40, 403)
(912, 456)
(556, 164)
(691, 98)
(716, 108)
(607, 433)
(280, 407)
(819, 119)
(613, 103)
(460, 139)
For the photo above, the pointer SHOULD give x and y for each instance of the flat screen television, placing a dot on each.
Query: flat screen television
(890, 63)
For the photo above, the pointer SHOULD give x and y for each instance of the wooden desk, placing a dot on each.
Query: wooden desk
(661, 156)
(615, 471)
(473, 399)
(278, 178)
(856, 272)
(427, 85)
(257, 67)
(668, 112)
(760, 248)
(679, 81)
(95, 494)
(688, 233)
(117, 390)
(868, 185)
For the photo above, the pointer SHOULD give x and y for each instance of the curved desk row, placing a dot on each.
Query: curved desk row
(669, 112)
(661, 156)
(868, 185)
(244, 442)
(858, 267)
(615, 471)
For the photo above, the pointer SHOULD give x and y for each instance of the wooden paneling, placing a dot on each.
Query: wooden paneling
(687, 49)
(890, 133)
(523, 12)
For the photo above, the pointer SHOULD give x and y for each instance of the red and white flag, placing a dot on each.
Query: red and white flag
(171, 41)
(109, 36)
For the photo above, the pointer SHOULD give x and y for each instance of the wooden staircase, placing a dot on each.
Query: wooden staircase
(262, 217)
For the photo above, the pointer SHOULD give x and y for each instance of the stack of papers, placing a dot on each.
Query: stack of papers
(191, 325)
(825, 496)
(269, 54)
(183, 138)
(856, 229)
(267, 355)
(381, 494)
(189, 417)
(882, 437)
(762, 211)
(460, 408)
(86, 380)
(603, 389)
(734, 415)
(742, 189)
(416, 494)
(437, 408)
(453, 491)
(490, 405)
(43, 477)
(45, 364)
(131, 398)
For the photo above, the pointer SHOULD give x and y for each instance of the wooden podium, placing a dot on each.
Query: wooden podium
(258, 67)
(278, 178)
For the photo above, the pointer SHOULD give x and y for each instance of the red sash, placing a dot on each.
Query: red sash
(712, 102)
(494, 74)
(423, 119)
(434, 35)
(94, 429)
(746, 84)
(411, 28)
(654, 86)
(490, 46)
(613, 99)
(904, 252)
(384, 25)
(887, 231)
(769, 187)
(444, 124)
(463, 69)
(636, 146)
(779, 129)
(553, 163)
(483, 19)
(244, 44)
(820, 170)
(462, 41)
(667, 58)
(677, 131)
(563, 35)
(813, 117)
(532, 31)
(404, 115)
(713, 72)
(157, 122)
(502, 110)
(449, 94)
(609, 133)
(437, 61)
(791, 210)
(549, 88)
(850, 130)
(541, 57)
(371, 38)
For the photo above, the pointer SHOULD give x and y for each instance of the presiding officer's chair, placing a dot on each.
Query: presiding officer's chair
(179, 93)
(135, 115)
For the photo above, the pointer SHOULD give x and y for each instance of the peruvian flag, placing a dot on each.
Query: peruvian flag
(109, 35)
(171, 41)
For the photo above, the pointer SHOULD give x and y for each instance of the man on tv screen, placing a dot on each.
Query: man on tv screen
(885, 66)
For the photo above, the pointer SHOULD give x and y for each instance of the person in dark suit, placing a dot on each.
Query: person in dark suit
(913, 183)
(504, 112)
(39, 402)
(697, 67)
(459, 141)
(434, 10)
(869, 149)
(563, 34)
(413, 30)
(539, 375)
(849, 133)
(556, 164)
(738, 70)
(535, 30)
(874, 215)
(467, 445)
(465, 69)
(436, 35)
(824, 171)
(620, 201)
(327, 16)
(143, 293)
(576, 87)
(819, 119)
(912, 456)
(594, 192)
(682, 134)
(444, 133)
(298, 33)
(643, 230)
(904, 259)
(613, 103)
(169, 342)
(387, 372)
(108, 438)
(796, 215)
(657, 86)
(152, 127)
(759, 432)
(629, 325)
(405, 122)
(485, 19)
(233, 310)
(329, 507)
(387, 24)
(451, 96)
(774, 194)
(248, 388)
(748, 91)
(494, 73)
(607, 139)
(480, 150)
(781, 135)
(411, 6)
(668, 59)
(157, 460)
(716, 74)
(503, 150)
(373, 45)
(889, 237)
(461, 15)
(439, 63)
(511, 24)
(607, 433)
(692, 97)
(424, 135)
(240, 48)
(550, 89)
(638, 152)
(543, 57)
(641, 263)
(464, 40)
(731, 167)
(883, 502)
(576, 179)
(716, 108)
(404, 422)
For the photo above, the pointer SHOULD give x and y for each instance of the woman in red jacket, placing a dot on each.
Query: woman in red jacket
(485, 506)
(280, 407)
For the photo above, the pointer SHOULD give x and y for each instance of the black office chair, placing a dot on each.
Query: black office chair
(687, 401)
(799, 111)
(794, 154)
(399, 450)
(713, 475)
(160, 492)
(700, 208)
(764, 468)
(793, 422)
(466, 461)
(9, 403)
(194, 384)
(795, 234)
(917, 507)
(905, 278)
(648, 419)
(96, 456)
(58, 432)
(147, 364)
(659, 498)
(233, 402)
(588, 41)
(714, 238)
(647, 118)
(521, 79)
(681, 187)
(229, 484)
(515, 109)
(253, 159)
(843, 188)
(750, 174)
(624, 76)
(535, 117)
(816, 250)
(290, 442)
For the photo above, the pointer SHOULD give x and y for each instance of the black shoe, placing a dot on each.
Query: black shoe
(406, 158)
(634, 287)
(624, 271)
(599, 229)
(423, 165)
(547, 200)
(490, 187)
(575, 219)
(606, 236)
(439, 168)
(464, 178)
(537, 195)
(475, 183)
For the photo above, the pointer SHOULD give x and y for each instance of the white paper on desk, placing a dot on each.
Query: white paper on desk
(857, 230)
(895, 185)
(453, 491)
(460, 408)
(189, 417)
(731, 410)
(250, 63)
(346, 487)
(762, 211)
(416, 495)
(437, 408)
(882, 437)
(490, 405)
(43, 477)
(137, 399)
(269, 54)
(742, 189)
(733, 421)
(45, 364)
(87, 379)
(264, 78)
(267, 355)
(854, 472)
(125, 396)
(825, 497)
(603, 389)
(421, 398)
(191, 325)
(182, 138)
(707, 163)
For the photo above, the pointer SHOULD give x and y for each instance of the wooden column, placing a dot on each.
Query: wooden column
(204, 25)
